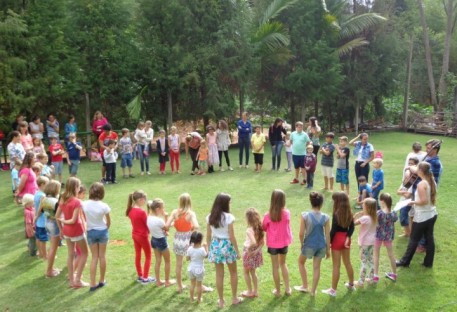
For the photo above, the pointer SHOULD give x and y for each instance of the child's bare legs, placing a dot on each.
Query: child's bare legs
(346, 255)
(316, 274)
(247, 278)
(255, 282)
(158, 256)
(82, 262)
(102, 259)
(303, 172)
(331, 183)
(70, 259)
(54, 243)
(302, 269)
(390, 253)
(179, 260)
(199, 291)
(220, 283)
(376, 251)
(275, 269)
(166, 259)
(42, 249)
(233, 280)
(93, 264)
(259, 168)
(336, 261)
(193, 282)
(325, 183)
(347, 189)
(285, 272)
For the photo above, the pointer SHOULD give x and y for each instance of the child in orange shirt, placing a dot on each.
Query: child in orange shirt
(202, 157)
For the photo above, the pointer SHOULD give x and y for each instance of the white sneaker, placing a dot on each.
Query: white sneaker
(230, 168)
(148, 280)
(247, 167)
(142, 173)
(241, 166)
(331, 292)
(148, 173)
(351, 286)
(222, 169)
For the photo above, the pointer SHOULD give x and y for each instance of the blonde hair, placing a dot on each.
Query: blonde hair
(72, 135)
(42, 180)
(371, 206)
(148, 123)
(378, 161)
(185, 202)
(298, 123)
(52, 188)
(173, 128)
(425, 168)
(155, 204)
(71, 189)
(203, 143)
(27, 200)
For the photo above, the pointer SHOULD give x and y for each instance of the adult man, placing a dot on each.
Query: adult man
(244, 137)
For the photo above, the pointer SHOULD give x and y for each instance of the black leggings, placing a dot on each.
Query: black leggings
(193, 155)
(227, 159)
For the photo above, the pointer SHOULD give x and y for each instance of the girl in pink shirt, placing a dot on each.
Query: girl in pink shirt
(276, 223)
(68, 216)
(367, 220)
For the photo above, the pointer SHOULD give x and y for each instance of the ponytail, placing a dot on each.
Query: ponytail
(133, 197)
(129, 204)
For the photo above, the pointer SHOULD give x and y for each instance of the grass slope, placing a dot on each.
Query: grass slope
(23, 286)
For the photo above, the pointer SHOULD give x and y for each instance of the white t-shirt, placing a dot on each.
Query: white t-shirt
(222, 232)
(155, 226)
(197, 255)
(95, 211)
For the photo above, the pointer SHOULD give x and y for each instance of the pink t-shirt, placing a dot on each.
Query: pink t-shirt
(30, 186)
(68, 208)
(279, 234)
(27, 142)
(97, 126)
(367, 233)
(29, 215)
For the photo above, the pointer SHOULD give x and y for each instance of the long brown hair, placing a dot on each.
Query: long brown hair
(277, 204)
(371, 207)
(254, 221)
(71, 189)
(342, 209)
(425, 168)
(133, 197)
(221, 204)
(28, 160)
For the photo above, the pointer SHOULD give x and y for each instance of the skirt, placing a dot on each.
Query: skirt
(213, 155)
(253, 260)
(221, 251)
(181, 243)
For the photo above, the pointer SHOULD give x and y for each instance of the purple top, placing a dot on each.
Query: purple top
(385, 230)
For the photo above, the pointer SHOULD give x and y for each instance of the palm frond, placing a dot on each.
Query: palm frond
(279, 57)
(271, 35)
(134, 107)
(351, 45)
(357, 24)
(275, 7)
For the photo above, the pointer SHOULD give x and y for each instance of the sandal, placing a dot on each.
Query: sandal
(301, 289)
(55, 272)
(220, 304)
(207, 288)
(276, 293)
(288, 292)
(238, 300)
(247, 294)
(79, 285)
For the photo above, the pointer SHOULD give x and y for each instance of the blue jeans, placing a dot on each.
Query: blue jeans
(144, 160)
(276, 148)
(404, 215)
(244, 143)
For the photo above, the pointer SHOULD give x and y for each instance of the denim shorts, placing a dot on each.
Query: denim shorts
(278, 251)
(97, 237)
(51, 228)
(41, 234)
(58, 166)
(73, 168)
(75, 239)
(159, 243)
(126, 160)
(309, 253)
(299, 161)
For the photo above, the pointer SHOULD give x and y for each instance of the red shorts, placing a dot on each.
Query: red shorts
(338, 241)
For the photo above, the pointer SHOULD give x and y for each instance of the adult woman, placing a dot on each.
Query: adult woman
(223, 143)
(98, 122)
(193, 140)
(70, 126)
(275, 134)
(223, 248)
(17, 121)
(26, 138)
(27, 178)
(15, 149)
(244, 137)
(314, 132)
(36, 128)
(52, 127)
(364, 152)
(424, 219)
(141, 138)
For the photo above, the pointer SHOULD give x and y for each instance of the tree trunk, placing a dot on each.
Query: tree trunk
(88, 126)
(170, 110)
(357, 108)
(455, 112)
(241, 101)
(292, 113)
(450, 10)
(428, 55)
(408, 85)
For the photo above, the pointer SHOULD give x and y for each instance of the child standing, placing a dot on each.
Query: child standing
(15, 176)
(342, 165)
(364, 191)
(185, 221)
(126, 148)
(367, 220)
(315, 243)
(196, 253)
(202, 157)
(276, 223)
(140, 233)
(327, 150)
(288, 145)
(57, 153)
(74, 154)
(310, 165)
(385, 233)
(378, 179)
(174, 142)
(46, 171)
(156, 225)
(38, 146)
(29, 216)
(223, 143)
(220, 236)
(252, 252)
(110, 156)
(98, 223)
(69, 216)
(163, 150)
(213, 156)
(40, 219)
(257, 144)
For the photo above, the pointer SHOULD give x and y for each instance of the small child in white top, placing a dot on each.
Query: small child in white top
(157, 218)
(288, 145)
(196, 253)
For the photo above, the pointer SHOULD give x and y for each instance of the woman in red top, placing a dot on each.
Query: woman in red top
(140, 234)
(72, 229)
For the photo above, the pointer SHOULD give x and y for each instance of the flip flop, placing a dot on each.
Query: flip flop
(54, 273)
(247, 294)
(288, 292)
(207, 289)
(80, 285)
(301, 289)
(276, 293)
(239, 300)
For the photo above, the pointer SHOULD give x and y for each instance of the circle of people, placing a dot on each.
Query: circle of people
(52, 216)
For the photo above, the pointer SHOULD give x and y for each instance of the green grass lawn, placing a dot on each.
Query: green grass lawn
(24, 287)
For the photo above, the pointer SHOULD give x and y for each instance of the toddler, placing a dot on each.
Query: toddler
(288, 145)
(74, 154)
(364, 191)
(342, 166)
(15, 176)
(257, 144)
(310, 166)
(29, 216)
(202, 157)
(378, 179)
(327, 150)
(57, 153)
(110, 156)
(163, 150)
(126, 148)
(196, 253)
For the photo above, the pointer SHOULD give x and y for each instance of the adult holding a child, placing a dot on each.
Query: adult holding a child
(364, 153)
(314, 132)
(275, 135)
(193, 140)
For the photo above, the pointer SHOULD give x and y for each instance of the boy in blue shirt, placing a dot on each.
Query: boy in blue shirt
(364, 191)
(74, 154)
(378, 179)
